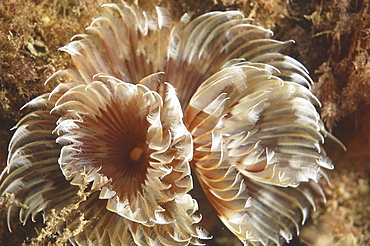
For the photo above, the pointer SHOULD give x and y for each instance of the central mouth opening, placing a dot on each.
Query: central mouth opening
(118, 147)
(136, 153)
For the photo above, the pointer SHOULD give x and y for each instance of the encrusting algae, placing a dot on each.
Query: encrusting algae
(106, 155)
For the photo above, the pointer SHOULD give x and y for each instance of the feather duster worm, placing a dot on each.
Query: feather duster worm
(127, 137)
(251, 133)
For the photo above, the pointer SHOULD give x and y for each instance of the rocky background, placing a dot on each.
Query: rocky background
(332, 41)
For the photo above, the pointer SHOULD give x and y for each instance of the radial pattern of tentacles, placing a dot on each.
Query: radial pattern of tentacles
(152, 98)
